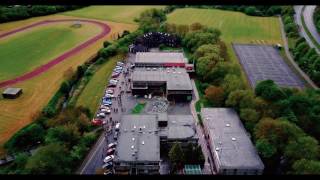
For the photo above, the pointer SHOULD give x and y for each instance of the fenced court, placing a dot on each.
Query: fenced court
(262, 62)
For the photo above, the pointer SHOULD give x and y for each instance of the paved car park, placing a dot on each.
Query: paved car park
(262, 62)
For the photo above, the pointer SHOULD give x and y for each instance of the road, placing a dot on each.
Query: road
(290, 58)
(94, 159)
(308, 19)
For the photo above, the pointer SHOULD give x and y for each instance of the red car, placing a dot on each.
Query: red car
(110, 151)
(97, 122)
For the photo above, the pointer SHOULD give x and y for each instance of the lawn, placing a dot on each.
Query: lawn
(138, 108)
(25, 51)
(235, 26)
(94, 90)
(124, 14)
(15, 114)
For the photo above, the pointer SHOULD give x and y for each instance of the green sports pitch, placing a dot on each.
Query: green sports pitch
(25, 51)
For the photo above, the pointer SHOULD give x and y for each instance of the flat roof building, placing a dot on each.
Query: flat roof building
(229, 142)
(163, 59)
(174, 82)
(12, 93)
(140, 138)
(138, 149)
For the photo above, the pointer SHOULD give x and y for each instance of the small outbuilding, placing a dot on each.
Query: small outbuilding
(12, 93)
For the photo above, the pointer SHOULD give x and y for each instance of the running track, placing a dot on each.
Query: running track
(37, 71)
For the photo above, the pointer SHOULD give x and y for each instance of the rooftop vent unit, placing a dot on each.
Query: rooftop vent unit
(217, 149)
(132, 139)
(142, 142)
(132, 147)
(233, 139)
(227, 125)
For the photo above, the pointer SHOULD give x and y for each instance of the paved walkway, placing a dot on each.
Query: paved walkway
(39, 70)
(290, 58)
(209, 164)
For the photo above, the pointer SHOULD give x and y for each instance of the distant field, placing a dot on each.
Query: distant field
(235, 26)
(124, 14)
(15, 114)
(93, 92)
(25, 51)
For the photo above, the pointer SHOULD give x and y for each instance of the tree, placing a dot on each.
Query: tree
(277, 132)
(269, 91)
(304, 166)
(305, 147)
(25, 138)
(67, 134)
(232, 82)
(106, 44)
(176, 155)
(250, 117)
(49, 159)
(266, 149)
(251, 10)
(215, 95)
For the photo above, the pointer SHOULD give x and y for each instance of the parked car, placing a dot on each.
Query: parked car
(117, 128)
(115, 74)
(108, 172)
(108, 165)
(108, 158)
(101, 115)
(111, 151)
(97, 122)
(115, 136)
(105, 110)
(110, 91)
(108, 95)
(120, 63)
(112, 145)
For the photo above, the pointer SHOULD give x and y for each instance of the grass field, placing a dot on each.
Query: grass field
(25, 51)
(235, 26)
(94, 90)
(15, 114)
(124, 14)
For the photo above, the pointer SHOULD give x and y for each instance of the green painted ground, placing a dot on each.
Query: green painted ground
(94, 90)
(138, 108)
(25, 51)
(235, 26)
(124, 14)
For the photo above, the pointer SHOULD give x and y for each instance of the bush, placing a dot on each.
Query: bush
(25, 138)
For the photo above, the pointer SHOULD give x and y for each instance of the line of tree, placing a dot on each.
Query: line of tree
(18, 12)
(316, 18)
(306, 57)
(249, 10)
